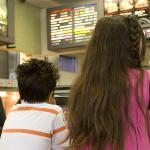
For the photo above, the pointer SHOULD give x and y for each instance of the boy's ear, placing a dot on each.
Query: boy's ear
(52, 100)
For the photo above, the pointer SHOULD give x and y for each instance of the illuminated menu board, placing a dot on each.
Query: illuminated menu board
(126, 5)
(61, 24)
(113, 7)
(70, 27)
(84, 22)
(141, 4)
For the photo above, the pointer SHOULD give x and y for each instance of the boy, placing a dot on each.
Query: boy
(35, 124)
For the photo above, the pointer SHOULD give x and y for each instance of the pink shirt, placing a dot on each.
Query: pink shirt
(137, 138)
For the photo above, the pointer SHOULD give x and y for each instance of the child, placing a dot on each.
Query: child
(111, 95)
(35, 124)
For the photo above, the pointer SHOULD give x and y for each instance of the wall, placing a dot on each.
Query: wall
(27, 28)
(67, 78)
(3, 65)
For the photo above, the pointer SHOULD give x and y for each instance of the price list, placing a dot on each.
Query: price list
(70, 27)
(61, 27)
(84, 22)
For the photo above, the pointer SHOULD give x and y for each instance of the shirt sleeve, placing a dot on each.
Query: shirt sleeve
(60, 132)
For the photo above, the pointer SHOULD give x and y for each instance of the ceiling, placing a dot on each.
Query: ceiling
(50, 3)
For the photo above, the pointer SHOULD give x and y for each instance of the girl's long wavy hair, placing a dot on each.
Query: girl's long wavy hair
(103, 84)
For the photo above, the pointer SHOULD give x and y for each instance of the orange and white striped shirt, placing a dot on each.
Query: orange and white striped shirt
(34, 127)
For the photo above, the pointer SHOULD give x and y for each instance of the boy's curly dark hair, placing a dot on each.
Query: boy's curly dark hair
(36, 80)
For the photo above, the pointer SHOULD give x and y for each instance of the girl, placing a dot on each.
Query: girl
(111, 95)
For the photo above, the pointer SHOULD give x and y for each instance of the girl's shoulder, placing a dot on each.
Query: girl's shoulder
(137, 73)
(147, 72)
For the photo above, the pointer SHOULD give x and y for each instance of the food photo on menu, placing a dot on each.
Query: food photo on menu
(141, 4)
(111, 6)
(126, 5)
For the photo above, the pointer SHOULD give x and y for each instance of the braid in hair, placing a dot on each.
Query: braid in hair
(135, 37)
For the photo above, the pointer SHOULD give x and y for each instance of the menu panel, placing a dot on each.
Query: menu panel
(61, 26)
(72, 26)
(85, 19)
(141, 4)
(126, 5)
(111, 7)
